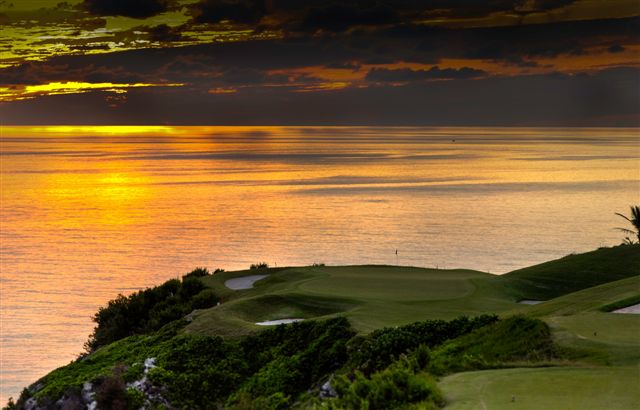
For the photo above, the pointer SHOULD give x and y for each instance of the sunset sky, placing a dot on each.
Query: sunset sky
(401, 62)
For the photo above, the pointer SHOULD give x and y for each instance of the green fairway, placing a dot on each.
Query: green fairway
(588, 300)
(553, 388)
(371, 297)
(374, 296)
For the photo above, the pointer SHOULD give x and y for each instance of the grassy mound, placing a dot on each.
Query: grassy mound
(517, 339)
(572, 273)
(290, 305)
(370, 296)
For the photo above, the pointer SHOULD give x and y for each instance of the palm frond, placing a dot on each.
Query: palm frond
(623, 216)
(625, 230)
(634, 221)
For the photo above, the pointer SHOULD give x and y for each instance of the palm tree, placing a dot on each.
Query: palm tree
(634, 220)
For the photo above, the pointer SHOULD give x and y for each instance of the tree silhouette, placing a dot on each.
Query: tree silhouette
(634, 220)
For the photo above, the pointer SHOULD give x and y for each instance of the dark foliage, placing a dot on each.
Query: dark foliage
(278, 367)
(261, 371)
(199, 273)
(383, 346)
(395, 387)
(111, 393)
(515, 339)
(150, 309)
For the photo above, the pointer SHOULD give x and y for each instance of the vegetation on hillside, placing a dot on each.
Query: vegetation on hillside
(573, 272)
(273, 369)
(147, 352)
(150, 309)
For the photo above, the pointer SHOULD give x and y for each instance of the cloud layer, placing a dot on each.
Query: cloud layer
(321, 61)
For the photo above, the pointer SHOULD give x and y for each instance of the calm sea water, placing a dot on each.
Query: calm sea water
(88, 212)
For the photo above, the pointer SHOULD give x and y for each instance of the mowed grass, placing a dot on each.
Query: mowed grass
(551, 388)
(573, 272)
(371, 297)
(374, 296)
(578, 322)
(608, 339)
(587, 300)
(601, 350)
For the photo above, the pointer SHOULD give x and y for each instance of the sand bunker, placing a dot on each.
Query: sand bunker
(245, 282)
(278, 322)
(635, 309)
(530, 302)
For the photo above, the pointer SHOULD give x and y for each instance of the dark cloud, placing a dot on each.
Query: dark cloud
(338, 16)
(474, 8)
(607, 98)
(39, 73)
(616, 48)
(127, 8)
(261, 71)
(238, 11)
(164, 33)
(385, 75)
(205, 65)
(348, 65)
(518, 43)
(517, 46)
(341, 16)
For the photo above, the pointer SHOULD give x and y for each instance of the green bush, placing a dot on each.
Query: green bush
(289, 359)
(111, 392)
(383, 346)
(279, 367)
(392, 388)
(148, 310)
(515, 339)
(198, 273)
(205, 299)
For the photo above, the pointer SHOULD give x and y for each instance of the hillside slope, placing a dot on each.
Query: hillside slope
(573, 272)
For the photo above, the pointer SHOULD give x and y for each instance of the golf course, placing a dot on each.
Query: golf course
(565, 348)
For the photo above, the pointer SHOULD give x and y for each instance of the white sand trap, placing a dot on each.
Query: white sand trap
(278, 322)
(635, 309)
(245, 282)
(530, 302)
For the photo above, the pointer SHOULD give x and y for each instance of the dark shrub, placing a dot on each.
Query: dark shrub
(383, 346)
(197, 273)
(148, 310)
(205, 299)
(395, 387)
(111, 393)
(191, 286)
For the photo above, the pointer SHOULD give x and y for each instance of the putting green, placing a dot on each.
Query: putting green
(371, 297)
(389, 283)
